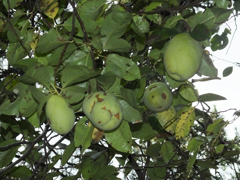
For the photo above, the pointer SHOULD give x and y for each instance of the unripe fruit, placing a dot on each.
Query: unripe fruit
(157, 97)
(182, 57)
(60, 115)
(103, 110)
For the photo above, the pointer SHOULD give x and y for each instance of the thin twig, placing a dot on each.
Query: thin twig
(25, 155)
(84, 32)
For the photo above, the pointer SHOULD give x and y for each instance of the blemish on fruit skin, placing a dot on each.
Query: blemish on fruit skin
(152, 88)
(104, 93)
(160, 107)
(69, 106)
(164, 96)
(99, 99)
(104, 108)
(92, 107)
(117, 116)
(48, 120)
(99, 122)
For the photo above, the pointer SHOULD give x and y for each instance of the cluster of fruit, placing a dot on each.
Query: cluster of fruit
(182, 59)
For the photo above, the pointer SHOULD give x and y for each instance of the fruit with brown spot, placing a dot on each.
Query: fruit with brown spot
(103, 110)
(157, 97)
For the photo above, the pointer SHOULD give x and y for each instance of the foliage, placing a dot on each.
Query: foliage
(74, 48)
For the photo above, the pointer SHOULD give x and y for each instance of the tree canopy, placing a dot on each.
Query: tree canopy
(115, 49)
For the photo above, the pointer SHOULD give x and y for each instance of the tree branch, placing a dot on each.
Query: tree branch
(25, 155)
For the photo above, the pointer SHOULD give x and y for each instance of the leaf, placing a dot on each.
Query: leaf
(83, 134)
(75, 74)
(73, 94)
(12, 4)
(194, 144)
(9, 108)
(122, 67)
(191, 161)
(185, 122)
(106, 79)
(21, 172)
(34, 119)
(211, 97)
(219, 42)
(140, 25)
(142, 131)
(80, 58)
(129, 113)
(227, 71)
(207, 68)
(153, 150)
(222, 3)
(49, 7)
(49, 41)
(113, 27)
(219, 148)
(41, 74)
(15, 52)
(167, 151)
(7, 156)
(206, 164)
(67, 153)
(167, 120)
(91, 9)
(188, 93)
(27, 105)
(200, 32)
(157, 172)
(216, 127)
(121, 138)
(172, 21)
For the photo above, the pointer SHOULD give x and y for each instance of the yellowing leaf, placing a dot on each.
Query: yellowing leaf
(185, 122)
(34, 43)
(167, 120)
(49, 7)
(97, 135)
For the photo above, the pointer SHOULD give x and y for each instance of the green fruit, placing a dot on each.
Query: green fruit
(157, 97)
(103, 110)
(60, 115)
(182, 57)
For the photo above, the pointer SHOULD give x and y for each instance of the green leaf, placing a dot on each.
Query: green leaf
(206, 164)
(113, 27)
(129, 113)
(227, 71)
(83, 134)
(216, 126)
(7, 156)
(200, 32)
(191, 161)
(122, 67)
(9, 108)
(142, 131)
(91, 9)
(219, 148)
(153, 150)
(41, 74)
(12, 4)
(80, 58)
(121, 138)
(157, 172)
(222, 3)
(167, 120)
(185, 122)
(106, 79)
(75, 74)
(53, 58)
(34, 119)
(188, 93)
(20, 172)
(15, 52)
(207, 68)
(211, 97)
(172, 21)
(73, 94)
(49, 41)
(194, 144)
(27, 105)
(67, 153)
(219, 42)
(167, 151)
(140, 25)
